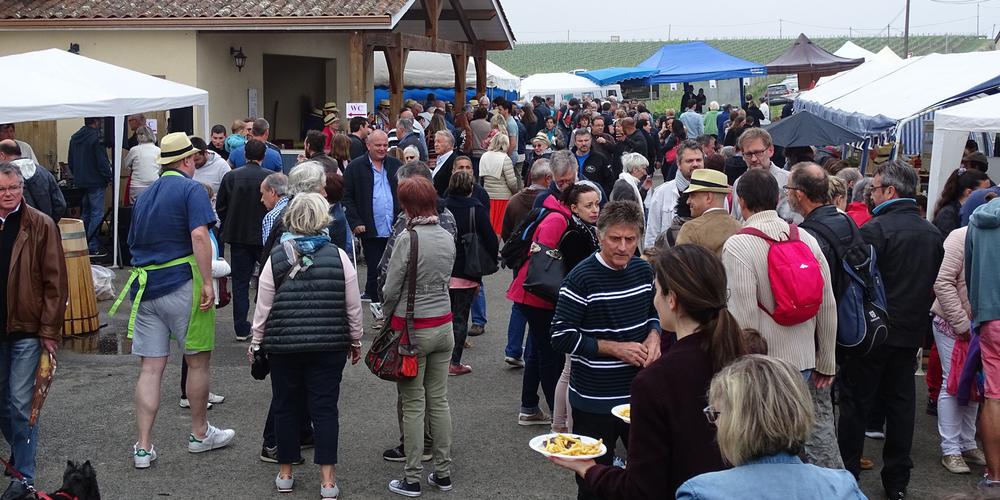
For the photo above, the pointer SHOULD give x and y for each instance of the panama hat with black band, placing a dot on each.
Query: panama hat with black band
(175, 147)
(706, 180)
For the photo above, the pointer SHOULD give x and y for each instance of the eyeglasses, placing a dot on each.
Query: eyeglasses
(881, 188)
(757, 154)
(711, 414)
(11, 189)
(790, 188)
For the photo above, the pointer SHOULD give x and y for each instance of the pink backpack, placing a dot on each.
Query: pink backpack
(795, 276)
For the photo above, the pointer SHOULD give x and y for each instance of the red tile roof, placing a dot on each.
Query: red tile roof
(56, 10)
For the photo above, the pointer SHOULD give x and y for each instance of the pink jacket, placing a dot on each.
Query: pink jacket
(549, 231)
(952, 302)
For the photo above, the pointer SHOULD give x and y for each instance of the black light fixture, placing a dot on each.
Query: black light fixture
(239, 57)
(74, 48)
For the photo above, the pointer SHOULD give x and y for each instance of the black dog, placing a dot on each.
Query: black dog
(79, 483)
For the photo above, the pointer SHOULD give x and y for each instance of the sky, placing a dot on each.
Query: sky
(578, 20)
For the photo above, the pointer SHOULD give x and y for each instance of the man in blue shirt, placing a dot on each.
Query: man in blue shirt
(370, 202)
(171, 247)
(272, 157)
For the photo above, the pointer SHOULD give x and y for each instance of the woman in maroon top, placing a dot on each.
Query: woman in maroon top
(670, 441)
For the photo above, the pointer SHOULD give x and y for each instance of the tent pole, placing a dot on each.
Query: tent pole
(205, 131)
(119, 131)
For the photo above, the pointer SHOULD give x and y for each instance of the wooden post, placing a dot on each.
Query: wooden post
(432, 8)
(480, 60)
(357, 49)
(395, 58)
(461, 65)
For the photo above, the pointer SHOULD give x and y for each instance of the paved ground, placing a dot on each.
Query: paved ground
(89, 415)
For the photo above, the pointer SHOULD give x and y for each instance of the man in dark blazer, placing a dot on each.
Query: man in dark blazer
(444, 147)
(370, 202)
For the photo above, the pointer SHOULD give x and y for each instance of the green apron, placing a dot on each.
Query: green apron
(201, 324)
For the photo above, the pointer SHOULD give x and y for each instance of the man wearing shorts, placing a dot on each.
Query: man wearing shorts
(172, 296)
(981, 271)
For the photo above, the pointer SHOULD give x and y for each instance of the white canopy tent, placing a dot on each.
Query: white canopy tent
(886, 54)
(876, 65)
(433, 70)
(557, 85)
(54, 84)
(951, 129)
(850, 50)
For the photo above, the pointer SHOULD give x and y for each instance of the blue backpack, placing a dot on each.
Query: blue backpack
(862, 314)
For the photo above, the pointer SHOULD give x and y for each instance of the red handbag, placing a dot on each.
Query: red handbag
(224, 296)
(393, 354)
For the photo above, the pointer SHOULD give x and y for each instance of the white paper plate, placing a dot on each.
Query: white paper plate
(538, 444)
(617, 411)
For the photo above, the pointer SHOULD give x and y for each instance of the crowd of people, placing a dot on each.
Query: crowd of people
(725, 304)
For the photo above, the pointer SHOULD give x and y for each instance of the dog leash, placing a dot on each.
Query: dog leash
(31, 489)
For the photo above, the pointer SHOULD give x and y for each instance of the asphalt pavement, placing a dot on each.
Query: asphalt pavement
(89, 415)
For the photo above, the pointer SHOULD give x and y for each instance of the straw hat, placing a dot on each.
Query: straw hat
(175, 147)
(330, 118)
(384, 103)
(318, 113)
(706, 180)
(330, 107)
(541, 137)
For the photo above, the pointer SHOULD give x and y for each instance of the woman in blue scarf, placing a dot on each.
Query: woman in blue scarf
(308, 321)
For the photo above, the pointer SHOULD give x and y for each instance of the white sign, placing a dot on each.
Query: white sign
(673, 87)
(746, 82)
(357, 109)
(151, 123)
(252, 103)
(712, 84)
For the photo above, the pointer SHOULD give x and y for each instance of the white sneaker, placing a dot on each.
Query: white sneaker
(874, 434)
(215, 399)
(214, 438)
(187, 404)
(141, 457)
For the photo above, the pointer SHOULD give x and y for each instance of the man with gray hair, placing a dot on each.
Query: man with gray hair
(910, 250)
(40, 188)
(606, 321)
(564, 175)
(32, 258)
(273, 194)
(444, 147)
(669, 201)
(260, 130)
(410, 138)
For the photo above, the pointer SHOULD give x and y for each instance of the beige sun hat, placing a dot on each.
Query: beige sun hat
(175, 147)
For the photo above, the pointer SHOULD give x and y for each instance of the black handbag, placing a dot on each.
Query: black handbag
(478, 261)
(260, 367)
(545, 272)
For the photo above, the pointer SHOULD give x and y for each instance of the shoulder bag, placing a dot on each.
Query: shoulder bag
(393, 354)
(478, 262)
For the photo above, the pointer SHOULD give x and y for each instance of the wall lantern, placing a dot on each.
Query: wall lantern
(74, 48)
(239, 57)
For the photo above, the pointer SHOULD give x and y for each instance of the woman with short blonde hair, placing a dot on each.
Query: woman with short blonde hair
(763, 412)
(308, 322)
(499, 178)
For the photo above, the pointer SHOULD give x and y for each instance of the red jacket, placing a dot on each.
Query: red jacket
(549, 231)
(858, 211)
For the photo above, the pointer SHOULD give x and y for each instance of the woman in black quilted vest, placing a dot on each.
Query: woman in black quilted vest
(308, 321)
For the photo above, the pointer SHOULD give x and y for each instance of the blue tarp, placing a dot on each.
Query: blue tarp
(697, 62)
(608, 76)
(445, 94)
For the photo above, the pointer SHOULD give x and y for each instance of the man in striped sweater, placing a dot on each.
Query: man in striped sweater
(606, 321)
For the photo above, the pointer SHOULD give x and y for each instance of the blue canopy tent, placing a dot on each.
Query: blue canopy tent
(696, 62)
(445, 94)
(609, 76)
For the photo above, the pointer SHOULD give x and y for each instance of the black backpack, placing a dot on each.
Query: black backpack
(514, 253)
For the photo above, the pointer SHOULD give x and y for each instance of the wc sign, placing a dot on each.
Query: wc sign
(357, 109)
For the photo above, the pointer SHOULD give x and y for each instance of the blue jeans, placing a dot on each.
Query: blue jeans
(243, 258)
(479, 307)
(515, 333)
(18, 364)
(92, 212)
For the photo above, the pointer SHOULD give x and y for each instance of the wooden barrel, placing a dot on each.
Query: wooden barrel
(81, 308)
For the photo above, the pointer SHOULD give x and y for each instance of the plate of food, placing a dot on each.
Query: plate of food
(623, 412)
(568, 446)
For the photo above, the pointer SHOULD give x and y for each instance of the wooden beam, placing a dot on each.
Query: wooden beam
(451, 15)
(494, 45)
(432, 22)
(418, 43)
(357, 51)
(461, 65)
(395, 59)
(463, 19)
(480, 59)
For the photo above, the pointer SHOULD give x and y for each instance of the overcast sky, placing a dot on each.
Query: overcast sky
(549, 20)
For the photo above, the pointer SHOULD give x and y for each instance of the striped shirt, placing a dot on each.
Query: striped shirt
(600, 303)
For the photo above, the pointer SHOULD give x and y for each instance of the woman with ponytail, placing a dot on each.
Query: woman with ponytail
(670, 441)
